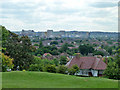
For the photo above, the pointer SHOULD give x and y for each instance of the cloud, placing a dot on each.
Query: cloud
(104, 4)
(59, 14)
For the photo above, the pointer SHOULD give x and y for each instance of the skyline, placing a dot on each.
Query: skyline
(69, 15)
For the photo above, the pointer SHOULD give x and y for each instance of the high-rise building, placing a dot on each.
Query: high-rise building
(49, 33)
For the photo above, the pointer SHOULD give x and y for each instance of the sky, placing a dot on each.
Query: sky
(69, 15)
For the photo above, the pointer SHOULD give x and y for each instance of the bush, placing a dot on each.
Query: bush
(62, 69)
(6, 61)
(50, 68)
(112, 71)
(73, 70)
(36, 67)
(33, 67)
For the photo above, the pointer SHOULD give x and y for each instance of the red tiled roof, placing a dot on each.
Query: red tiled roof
(87, 63)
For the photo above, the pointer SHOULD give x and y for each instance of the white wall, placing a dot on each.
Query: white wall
(85, 72)
(94, 72)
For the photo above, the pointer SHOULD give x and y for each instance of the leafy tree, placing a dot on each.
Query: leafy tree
(54, 52)
(40, 44)
(74, 69)
(62, 69)
(50, 68)
(56, 62)
(33, 67)
(36, 44)
(61, 41)
(98, 53)
(36, 67)
(64, 47)
(7, 62)
(113, 68)
(63, 60)
(18, 48)
(85, 49)
(54, 42)
(110, 50)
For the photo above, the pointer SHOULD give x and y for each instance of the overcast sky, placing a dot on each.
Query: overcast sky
(41, 15)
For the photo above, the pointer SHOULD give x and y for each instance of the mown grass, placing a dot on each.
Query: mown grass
(53, 80)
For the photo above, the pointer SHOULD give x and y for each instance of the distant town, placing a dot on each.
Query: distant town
(66, 34)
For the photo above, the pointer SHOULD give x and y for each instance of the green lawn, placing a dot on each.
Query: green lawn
(52, 80)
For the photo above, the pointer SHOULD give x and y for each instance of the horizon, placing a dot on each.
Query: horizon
(78, 15)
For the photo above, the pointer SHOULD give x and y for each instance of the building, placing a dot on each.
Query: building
(89, 66)
(49, 33)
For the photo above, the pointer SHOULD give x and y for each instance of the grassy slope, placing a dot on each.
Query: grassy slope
(51, 80)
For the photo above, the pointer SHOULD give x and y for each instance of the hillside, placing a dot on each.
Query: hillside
(51, 80)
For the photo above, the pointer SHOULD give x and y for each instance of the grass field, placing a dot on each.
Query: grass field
(51, 80)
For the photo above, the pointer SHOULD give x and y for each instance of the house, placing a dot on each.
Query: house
(46, 54)
(89, 66)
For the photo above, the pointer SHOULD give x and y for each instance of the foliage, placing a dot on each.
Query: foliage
(43, 62)
(112, 71)
(40, 44)
(7, 62)
(85, 49)
(56, 62)
(98, 53)
(36, 44)
(18, 48)
(113, 68)
(74, 69)
(62, 69)
(63, 60)
(109, 50)
(36, 67)
(64, 48)
(50, 68)
(53, 42)
(47, 49)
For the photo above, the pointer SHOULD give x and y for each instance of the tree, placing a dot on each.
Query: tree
(36, 44)
(54, 42)
(61, 41)
(64, 47)
(74, 69)
(110, 50)
(40, 44)
(63, 60)
(7, 62)
(62, 69)
(18, 48)
(113, 68)
(85, 49)
(98, 53)
(50, 68)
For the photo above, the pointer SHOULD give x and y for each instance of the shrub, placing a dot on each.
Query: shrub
(33, 67)
(50, 68)
(36, 67)
(62, 69)
(73, 70)
(7, 62)
(40, 67)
